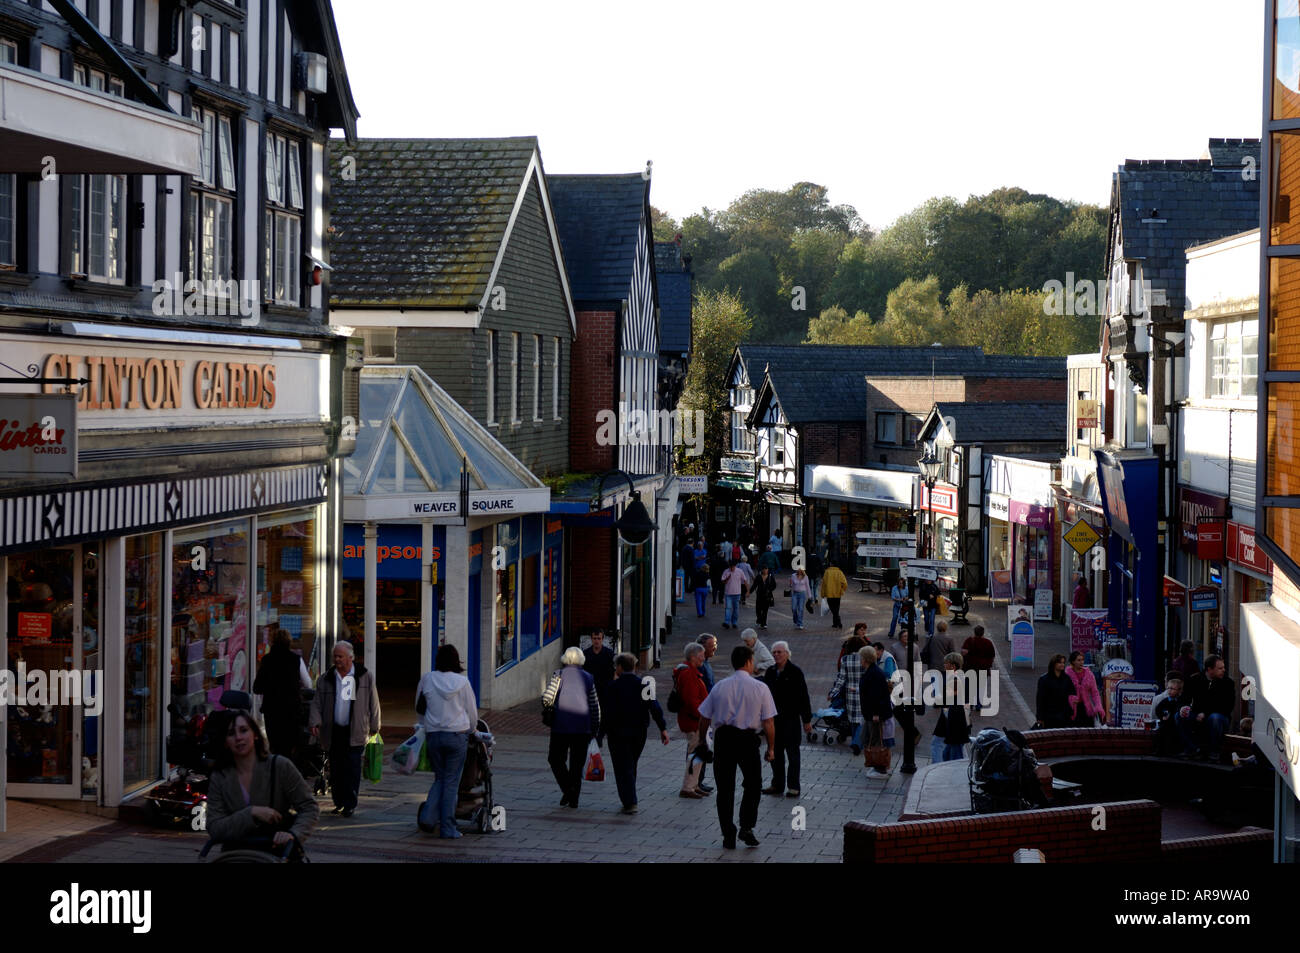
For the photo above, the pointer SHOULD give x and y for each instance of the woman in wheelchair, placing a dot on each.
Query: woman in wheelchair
(256, 800)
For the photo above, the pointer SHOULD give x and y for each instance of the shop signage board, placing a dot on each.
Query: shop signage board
(1204, 599)
(1000, 584)
(35, 627)
(920, 572)
(138, 383)
(38, 435)
(1193, 507)
(1085, 414)
(693, 483)
(1082, 537)
(1043, 604)
(1020, 629)
(1031, 514)
(943, 501)
(999, 507)
(1175, 592)
(1241, 549)
(881, 487)
(1133, 702)
(1088, 628)
(1210, 537)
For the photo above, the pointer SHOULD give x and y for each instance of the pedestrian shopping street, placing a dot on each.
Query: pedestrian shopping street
(835, 786)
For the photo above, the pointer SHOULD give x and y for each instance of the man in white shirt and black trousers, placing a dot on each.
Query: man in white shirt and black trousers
(739, 707)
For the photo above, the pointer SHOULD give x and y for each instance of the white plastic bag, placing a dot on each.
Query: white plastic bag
(407, 755)
(823, 607)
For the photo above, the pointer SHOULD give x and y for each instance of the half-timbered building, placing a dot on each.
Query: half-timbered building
(163, 215)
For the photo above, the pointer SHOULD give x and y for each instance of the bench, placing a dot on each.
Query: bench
(869, 578)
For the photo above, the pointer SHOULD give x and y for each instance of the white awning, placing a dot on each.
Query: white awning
(85, 131)
(894, 488)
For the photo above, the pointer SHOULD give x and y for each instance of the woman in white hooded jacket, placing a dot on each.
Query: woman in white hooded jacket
(446, 700)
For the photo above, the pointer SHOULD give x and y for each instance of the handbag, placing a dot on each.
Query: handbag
(876, 755)
(595, 770)
(674, 703)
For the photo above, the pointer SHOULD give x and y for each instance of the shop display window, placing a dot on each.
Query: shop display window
(288, 585)
(505, 602)
(141, 721)
(209, 614)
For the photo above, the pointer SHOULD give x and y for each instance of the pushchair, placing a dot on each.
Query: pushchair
(1002, 773)
(834, 724)
(308, 755)
(474, 801)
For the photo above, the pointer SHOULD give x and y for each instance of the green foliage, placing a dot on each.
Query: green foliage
(720, 322)
(663, 226)
(768, 244)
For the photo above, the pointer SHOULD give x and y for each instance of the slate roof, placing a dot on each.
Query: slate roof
(421, 222)
(599, 218)
(1167, 206)
(993, 422)
(829, 382)
(674, 283)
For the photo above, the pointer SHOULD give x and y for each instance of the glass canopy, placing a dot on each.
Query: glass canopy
(412, 437)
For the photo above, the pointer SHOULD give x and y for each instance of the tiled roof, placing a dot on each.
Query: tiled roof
(1167, 206)
(419, 222)
(990, 422)
(674, 283)
(599, 218)
(828, 382)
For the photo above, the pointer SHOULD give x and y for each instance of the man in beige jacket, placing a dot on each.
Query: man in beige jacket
(344, 713)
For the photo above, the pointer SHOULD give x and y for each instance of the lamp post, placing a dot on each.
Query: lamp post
(634, 527)
(929, 466)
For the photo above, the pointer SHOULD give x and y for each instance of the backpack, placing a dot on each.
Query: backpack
(674, 703)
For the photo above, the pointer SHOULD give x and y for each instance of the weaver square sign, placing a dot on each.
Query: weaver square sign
(38, 435)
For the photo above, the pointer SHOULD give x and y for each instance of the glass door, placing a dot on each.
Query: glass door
(44, 744)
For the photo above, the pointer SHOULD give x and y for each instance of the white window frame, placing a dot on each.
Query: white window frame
(891, 440)
(776, 448)
(380, 345)
(514, 377)
(212, 203)
(1233, 348)
(11, 57)
(108, 265)
(8, 220)
(555, 381)
(491, 378)
(537, 377)
(283, 220)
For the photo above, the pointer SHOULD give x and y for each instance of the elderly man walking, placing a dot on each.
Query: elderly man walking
(789, 689)
(740, 706)
(344, 713)
(763, 659)
(691, 690)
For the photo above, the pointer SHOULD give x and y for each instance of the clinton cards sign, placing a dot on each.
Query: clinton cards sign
(38, 435)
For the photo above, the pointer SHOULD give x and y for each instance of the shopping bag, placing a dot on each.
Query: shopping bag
(424, 764)
(407, 755)
(823, 607)
(595, 764)
(944, 603)
(372, 759)
(876, 755)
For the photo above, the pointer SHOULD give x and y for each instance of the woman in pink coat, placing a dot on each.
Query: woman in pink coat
(1085, 703)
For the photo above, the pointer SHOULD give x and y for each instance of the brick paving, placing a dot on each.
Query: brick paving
(835, 786)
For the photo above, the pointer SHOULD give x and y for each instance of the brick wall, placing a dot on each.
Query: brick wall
(914, 396)
(1063, 834)
(1250, 845)
(595, 353)
(832, 444)
(590, 577)
(1054, 389)
(1103, 742)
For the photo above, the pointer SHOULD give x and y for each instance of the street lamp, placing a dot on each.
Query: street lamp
(635, 525)
(930, 465)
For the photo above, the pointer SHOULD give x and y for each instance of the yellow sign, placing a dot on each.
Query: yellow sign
(1081, 537)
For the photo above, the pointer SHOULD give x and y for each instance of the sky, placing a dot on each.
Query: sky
(886, 103)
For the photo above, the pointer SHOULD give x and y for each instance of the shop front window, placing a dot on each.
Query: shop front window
(287, 585)
(142, 636)
(42, 629)
(505, 603)
(209, 615)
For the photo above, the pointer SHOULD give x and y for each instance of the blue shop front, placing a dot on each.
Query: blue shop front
(1129, 498)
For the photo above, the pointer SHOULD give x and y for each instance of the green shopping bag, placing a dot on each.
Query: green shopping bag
(372, 759)
(423, 764)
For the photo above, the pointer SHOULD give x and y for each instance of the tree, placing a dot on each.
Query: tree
(753, 277)
(663, 226)
(719, 323)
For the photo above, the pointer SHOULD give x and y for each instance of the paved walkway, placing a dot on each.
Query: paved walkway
(835, 786)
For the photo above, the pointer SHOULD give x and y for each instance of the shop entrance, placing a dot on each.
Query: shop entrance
(52, 748)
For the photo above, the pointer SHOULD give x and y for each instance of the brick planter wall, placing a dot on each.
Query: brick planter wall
(1254, 845)
(1102, 742)
(1063, 834)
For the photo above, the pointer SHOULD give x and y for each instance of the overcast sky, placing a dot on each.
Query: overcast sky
(886, 103)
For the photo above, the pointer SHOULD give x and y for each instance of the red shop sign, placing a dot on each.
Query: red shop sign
(1175, 592)
(1242, 549)
(1209, 538)
(35, 626)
